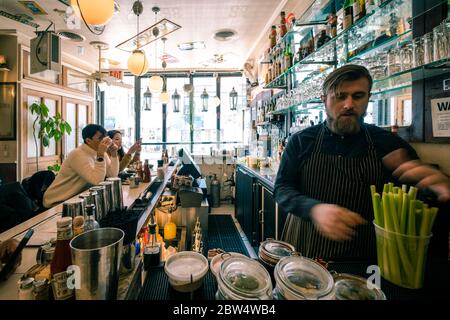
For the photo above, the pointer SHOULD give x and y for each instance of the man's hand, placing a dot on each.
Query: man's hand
(112, 150)
(7, 248)
(414, 171)
(334, 222)
(103, 146)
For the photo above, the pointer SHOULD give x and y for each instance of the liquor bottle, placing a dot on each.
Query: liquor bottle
(359, 9)
(146, 171)
(90, 223)
(62, 259)
(273, 37)
(152, 251)
(140, 171)
(323, 38)
(283, 28)
(348, 13)
(288, 57)
(332, 25)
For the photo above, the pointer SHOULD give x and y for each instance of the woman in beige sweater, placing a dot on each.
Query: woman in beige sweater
(133, 153)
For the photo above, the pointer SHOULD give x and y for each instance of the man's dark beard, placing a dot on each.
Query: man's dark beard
(345, 123)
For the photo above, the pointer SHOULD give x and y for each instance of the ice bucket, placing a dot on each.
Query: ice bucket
(97, 254)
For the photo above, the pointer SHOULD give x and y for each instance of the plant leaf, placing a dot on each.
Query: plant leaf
(45, 141)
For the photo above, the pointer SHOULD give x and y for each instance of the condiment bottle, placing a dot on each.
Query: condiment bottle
(283, 28)
(146, 171)
(26, 289)
(273, 37)
(90, 223)
(62, 259)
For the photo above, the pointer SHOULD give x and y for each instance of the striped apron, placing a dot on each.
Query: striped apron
(343, 181)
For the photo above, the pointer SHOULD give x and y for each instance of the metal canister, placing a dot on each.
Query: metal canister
(40, 289)
(215, 192)
(101, 205)
(91, 197)
(117, 198)
(109, 196)
(73, 208)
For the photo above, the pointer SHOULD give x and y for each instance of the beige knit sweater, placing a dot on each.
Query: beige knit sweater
(78, 172)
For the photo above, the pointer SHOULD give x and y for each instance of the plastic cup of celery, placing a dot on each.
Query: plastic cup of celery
(402, 257)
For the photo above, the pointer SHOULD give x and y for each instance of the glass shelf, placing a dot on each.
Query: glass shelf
(429, 70)
(400, 39)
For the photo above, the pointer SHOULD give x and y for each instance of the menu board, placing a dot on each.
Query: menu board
(440, 117)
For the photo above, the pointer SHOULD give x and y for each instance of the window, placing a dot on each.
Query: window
(231, 121)
(119, 111)
(151, 126)
(204, 123)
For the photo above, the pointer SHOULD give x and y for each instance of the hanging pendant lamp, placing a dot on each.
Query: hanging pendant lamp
(233, 100)
(156, 82)
(204, 96)
(137, 62)
(176, 101)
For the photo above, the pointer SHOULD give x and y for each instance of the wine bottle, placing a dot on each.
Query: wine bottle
(348, 13)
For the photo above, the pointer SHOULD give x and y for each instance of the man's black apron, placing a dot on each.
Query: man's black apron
(343, 181)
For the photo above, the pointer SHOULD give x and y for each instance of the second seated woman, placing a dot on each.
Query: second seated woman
(131, 156)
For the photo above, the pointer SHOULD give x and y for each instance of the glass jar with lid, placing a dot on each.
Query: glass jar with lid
(241, 278)
(301, 278)
(351, 287)
(271, 251)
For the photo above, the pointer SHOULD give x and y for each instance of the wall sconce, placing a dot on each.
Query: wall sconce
(176, 101)
(148, 100)
(233, 100)
(204, 96)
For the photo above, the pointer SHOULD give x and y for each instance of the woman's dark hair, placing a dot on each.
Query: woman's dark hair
(120, 152)
(90, 130)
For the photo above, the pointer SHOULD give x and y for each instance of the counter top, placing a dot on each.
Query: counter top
(265, 175)
(44, 226)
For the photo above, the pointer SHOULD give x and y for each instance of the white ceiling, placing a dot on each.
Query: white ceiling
(199, 20)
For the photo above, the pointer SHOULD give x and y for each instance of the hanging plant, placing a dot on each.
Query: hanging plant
(50, 127)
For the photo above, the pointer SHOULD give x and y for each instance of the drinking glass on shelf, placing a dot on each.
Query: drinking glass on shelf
(427, 48)
(417, 52)
(406, 57)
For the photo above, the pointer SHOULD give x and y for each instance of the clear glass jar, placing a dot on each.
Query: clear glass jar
(241, 278)
(427, 48)
(271, 251)
(406, 57)
(417, 52)
(437, 42)
(300, 278)
(351, 287)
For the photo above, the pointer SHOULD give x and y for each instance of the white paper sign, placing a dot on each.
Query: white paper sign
(440, 117)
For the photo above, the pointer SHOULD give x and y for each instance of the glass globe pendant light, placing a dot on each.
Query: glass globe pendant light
(156, 82)
(137, 62)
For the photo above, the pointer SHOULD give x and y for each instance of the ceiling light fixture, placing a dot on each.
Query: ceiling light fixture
(147, 36)
(164, 96)
(148, 100)
(176, 101)
(233, 100)
(187, 46)
(204, 96)
(156, 82)
(93, 12)
(137, 62)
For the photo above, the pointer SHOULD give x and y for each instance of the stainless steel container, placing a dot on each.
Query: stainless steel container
(109, 197)
(117, 198)
(73, 208)
(97, 254)
(101, 208)
(91, 197)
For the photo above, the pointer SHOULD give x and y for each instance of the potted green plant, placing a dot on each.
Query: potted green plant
(50, 127)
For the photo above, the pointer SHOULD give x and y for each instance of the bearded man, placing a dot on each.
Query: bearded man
(326, 171)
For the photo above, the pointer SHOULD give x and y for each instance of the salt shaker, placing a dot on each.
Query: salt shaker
(26, 289)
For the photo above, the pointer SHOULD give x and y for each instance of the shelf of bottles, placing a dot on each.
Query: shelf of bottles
(381, 40)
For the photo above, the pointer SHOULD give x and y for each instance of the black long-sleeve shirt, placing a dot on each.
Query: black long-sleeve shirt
(301, 146)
